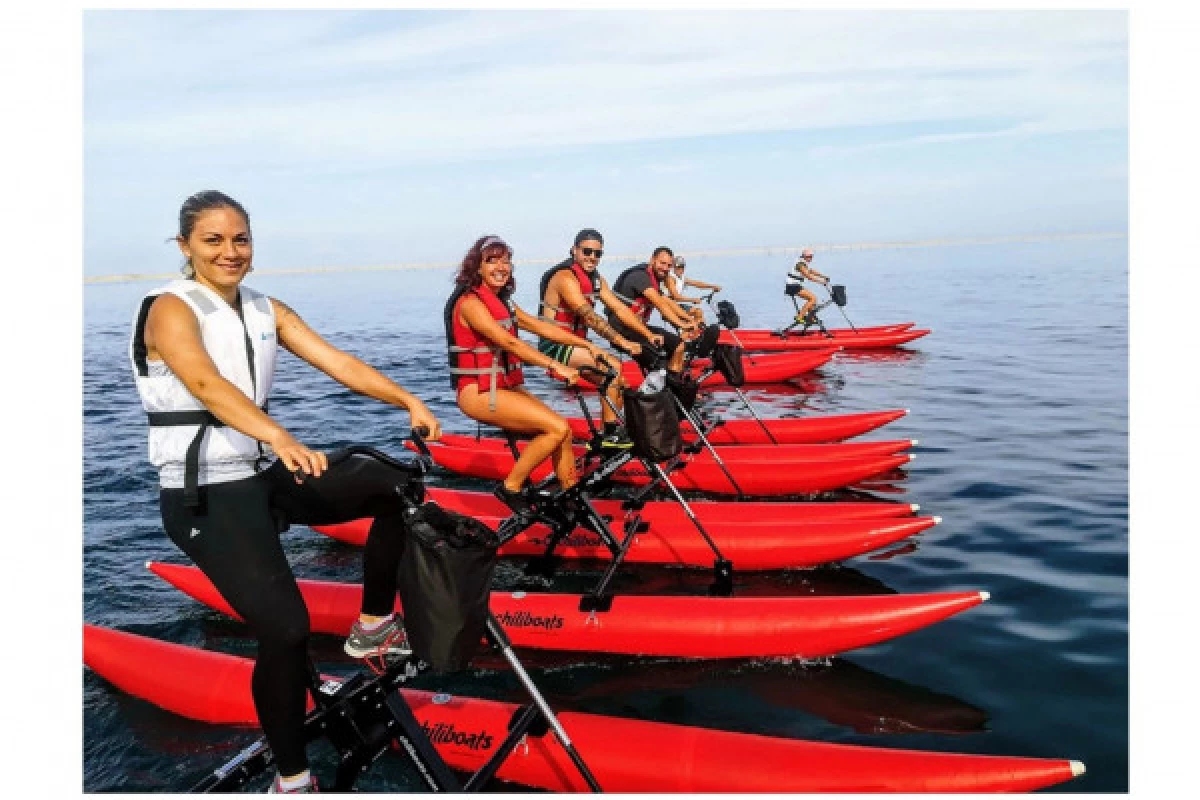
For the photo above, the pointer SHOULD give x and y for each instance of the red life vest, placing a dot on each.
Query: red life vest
(638, 304)
(474, 359)
(563, 317)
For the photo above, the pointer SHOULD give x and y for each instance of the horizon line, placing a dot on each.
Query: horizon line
(737, 251)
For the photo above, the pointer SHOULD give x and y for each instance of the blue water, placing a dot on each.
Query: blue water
(1018, 399)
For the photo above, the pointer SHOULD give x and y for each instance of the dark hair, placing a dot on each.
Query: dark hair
(662, 248)
(588, 233)
(196, 205)
(200, 202)
(468, 272)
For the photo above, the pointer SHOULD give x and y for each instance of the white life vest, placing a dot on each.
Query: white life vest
(189, 446)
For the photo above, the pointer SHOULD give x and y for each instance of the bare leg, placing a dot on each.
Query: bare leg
(520, 412)
(810, 302)
(676, 362)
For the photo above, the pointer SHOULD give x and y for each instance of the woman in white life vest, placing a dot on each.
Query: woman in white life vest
(203, 352)
(485, 355)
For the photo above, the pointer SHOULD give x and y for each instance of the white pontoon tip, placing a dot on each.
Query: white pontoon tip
(937, 520)
(908, 411)
(1077, 768)
(911, 457)
(148, 563)
(915, 507)
(985, 596)
(914, 442)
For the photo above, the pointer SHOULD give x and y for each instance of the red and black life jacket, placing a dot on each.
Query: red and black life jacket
(564, 317)
(474, 359)
(637, 302)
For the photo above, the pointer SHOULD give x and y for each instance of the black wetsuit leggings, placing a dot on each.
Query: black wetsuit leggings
(233, 537)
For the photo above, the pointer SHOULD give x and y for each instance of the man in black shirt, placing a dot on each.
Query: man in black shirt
(642, 286)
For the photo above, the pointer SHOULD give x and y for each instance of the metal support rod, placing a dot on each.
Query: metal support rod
(750, 406)
(841, 310)
(502, 642)
(662, 476)
(716, 456)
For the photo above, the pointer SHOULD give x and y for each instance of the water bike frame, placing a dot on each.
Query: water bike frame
(565, 510)
(365, 716)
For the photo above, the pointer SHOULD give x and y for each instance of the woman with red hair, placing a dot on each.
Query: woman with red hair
(485, 365)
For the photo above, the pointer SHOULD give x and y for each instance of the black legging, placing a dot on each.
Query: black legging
(234, 539)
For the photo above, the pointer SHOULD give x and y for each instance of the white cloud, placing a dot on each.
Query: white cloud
(354, 91)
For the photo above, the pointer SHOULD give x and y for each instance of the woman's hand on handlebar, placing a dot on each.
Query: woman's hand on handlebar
(633, 348)
(563, 372)
(299, 459)
(657, 340)
(423, 418)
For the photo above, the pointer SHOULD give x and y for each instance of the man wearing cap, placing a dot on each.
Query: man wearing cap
(569, 291)
(676, 283)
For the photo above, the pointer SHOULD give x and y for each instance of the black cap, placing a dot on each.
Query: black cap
(588, 233)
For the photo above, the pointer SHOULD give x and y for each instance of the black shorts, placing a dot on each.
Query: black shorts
(646, 359)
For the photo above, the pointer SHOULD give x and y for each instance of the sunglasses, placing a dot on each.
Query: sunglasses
(589, 252)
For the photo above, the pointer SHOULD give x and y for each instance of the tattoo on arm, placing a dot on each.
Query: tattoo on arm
(594, 321)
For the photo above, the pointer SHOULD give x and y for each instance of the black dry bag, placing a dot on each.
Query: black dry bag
(653, 424)
(728, 360)
(838, 293)
(683, 387)
(702, 346)
(445, 579)
(727, 315)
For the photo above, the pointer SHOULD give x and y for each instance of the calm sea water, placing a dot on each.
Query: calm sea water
(1018, 398)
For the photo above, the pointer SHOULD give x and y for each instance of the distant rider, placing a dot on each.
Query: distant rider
(796, 278)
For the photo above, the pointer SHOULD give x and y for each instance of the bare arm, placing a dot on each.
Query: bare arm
(173, 334)
(701, 284)
(813, 275)
(669, 309)
(548, 330)
(356, 375)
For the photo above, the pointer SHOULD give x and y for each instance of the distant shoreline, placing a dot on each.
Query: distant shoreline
(737, 251)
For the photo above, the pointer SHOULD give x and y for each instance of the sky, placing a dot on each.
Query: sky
(382, 137)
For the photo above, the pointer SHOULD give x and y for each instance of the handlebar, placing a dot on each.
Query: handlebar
(607, 376)
(425, 457)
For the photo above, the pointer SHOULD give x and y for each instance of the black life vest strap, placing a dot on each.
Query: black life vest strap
(191, 460)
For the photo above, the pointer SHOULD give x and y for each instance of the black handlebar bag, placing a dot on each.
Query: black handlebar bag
(445, 579)
(653, 425)
(728, 360)
(838, 293)
(727, 315)
(684, 387)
